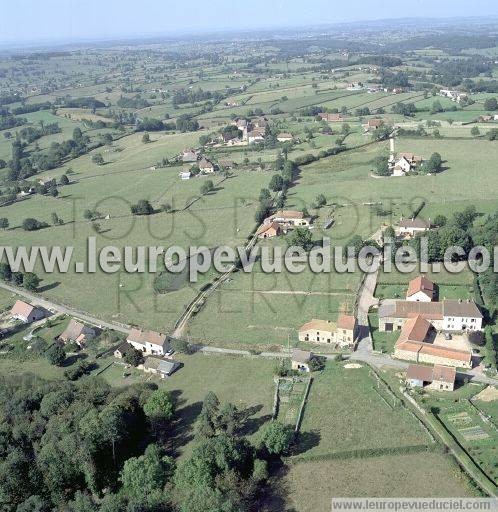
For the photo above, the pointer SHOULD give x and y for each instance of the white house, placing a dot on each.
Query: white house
(26, 313)
(185, 175)
(420, 289)
(401, 167)
(461, 315)
(149, 342)
(411, 227)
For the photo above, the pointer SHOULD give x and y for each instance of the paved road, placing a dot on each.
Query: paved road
(66, 310)
(366, 300)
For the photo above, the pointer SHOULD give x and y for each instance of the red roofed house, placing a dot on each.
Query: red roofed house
(346, 330)
(269, 230)
(26, 313)
(149, 342)
(420, 289)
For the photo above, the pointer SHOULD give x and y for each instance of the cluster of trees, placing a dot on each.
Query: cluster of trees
(30, 133)
(433, 165)
(136, 102)
(451, 72)
(193, 96)
(382, 132)
(29, 280)
(117, 436)
(152, 125)
(143, 207)
(22, 166)
(28, 108)
(455, 231)
(31, 224)
(207, 187)
(404, 109)
(278, 183)
(185, 123)
(8, 121)
(394, 80)
(486, 234)
(491, 104)
(47, 426)
(225, 471)
(86, 102)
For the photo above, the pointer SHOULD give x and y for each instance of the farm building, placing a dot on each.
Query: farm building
(190, 155)
(77, 332)
(373, 124)
(162, 367)
(438, 377)
(122, 349)
(300, 360)
(420, 289)
(26, 313)
(285, 137)
(256, 135)
(331, 118)
(289, 219)
(416, 343)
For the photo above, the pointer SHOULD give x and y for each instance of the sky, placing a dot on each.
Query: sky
(65, 20)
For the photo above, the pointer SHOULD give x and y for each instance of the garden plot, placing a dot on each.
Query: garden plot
(291, 393)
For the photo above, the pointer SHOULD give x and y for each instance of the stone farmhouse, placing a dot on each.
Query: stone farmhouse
(149, 342)
(26, 313)
(256, 135)
(438, 377)
(342, 333)
(285, 137)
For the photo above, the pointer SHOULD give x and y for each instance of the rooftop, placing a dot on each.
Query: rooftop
(143, 337)
(301, 356)
(318, 325)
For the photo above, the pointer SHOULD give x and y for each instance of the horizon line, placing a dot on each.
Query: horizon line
(137, 37)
